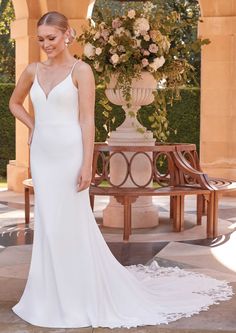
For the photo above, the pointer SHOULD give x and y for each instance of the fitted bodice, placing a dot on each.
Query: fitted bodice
(60, 106)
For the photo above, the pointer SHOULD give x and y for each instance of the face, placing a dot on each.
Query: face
(51, 40)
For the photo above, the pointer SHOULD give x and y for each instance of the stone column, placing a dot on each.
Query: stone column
(218, 88)
(27, 51)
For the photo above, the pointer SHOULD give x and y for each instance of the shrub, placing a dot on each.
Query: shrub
(7, 128)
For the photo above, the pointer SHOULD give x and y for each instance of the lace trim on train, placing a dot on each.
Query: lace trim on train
(222, 292)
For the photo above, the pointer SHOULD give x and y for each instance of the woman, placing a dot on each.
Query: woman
(74, 280)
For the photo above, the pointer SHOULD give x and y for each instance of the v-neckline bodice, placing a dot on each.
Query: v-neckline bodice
(46, 95)
(53, 88)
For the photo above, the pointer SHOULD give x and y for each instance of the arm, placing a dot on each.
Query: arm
(86, 86)
(18, 96)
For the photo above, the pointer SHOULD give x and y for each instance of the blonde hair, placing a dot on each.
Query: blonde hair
(58, 20)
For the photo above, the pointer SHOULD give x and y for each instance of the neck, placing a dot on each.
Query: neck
(61, 58)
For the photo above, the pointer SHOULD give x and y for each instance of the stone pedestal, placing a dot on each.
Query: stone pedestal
(132, 133)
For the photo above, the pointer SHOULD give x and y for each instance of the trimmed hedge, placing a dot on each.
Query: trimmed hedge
(7, 128)
(183, 117)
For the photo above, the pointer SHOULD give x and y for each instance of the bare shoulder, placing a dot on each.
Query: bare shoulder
(82, 68)
(29, 71)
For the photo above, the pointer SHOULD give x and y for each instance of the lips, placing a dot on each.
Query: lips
(48, 50)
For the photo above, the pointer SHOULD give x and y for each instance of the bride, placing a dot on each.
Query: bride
(74, 280)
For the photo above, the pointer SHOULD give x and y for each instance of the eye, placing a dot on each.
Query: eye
(40, 40)
(51, 38)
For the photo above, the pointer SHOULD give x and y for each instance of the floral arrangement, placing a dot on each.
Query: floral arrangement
(139, 40)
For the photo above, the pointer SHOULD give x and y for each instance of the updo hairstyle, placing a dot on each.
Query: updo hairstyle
(58, 20)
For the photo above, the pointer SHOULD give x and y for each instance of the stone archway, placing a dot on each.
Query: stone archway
(218, 79)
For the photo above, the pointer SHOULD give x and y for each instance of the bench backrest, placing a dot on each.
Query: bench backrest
(145, 166)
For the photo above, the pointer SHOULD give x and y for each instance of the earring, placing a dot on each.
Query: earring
(67, 41)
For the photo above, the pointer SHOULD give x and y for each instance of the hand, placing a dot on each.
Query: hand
(30, 137)
(84, 179)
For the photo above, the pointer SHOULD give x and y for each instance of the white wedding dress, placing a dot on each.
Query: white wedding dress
(74, 280)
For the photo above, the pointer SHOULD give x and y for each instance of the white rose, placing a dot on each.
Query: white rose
(131, 13)
(98, 51)
(97, 35)
(89, 50)
(115, 59)
(146, 38)
(157, 63)
(141, 25)
(111, 41)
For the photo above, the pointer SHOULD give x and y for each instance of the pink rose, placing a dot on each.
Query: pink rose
(145, 62)
(153, 48)
(116, 23)
(105, 34)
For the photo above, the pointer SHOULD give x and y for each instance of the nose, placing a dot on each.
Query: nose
(46, 44)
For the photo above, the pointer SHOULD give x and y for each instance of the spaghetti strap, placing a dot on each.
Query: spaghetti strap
(72, 68)
(36, 71)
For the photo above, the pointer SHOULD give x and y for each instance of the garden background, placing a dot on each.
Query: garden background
(183, 116)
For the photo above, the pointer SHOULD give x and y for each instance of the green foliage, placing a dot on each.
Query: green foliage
(7, 128)
(7, 45)
(107, 116)
(183, 117)
(188, 12)
(159, 39)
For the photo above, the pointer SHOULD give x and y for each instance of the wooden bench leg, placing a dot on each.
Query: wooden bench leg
(178, 212)
(215, 218)
(27, 206)
(127, 219)
(91, 198)
(172, 207)
(200, 208)
(210, 215)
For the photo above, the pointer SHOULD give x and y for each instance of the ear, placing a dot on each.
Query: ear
(67, 33)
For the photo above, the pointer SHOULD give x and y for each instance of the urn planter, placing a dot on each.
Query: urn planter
(141, 94)
(132, 133)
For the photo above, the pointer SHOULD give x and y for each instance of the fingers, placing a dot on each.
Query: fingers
(30, 137)
(83, 185)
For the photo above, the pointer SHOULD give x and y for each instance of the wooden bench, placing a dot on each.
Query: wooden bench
(220, 186)
(179, 174)
(171, 182)
(28, 188)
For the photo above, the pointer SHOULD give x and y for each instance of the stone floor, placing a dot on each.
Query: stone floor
(188, 249)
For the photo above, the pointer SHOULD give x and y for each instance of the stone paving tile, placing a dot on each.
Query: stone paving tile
(15, 255)
(27, 328)
(10, 322)
(11, 289)
(150, 329)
